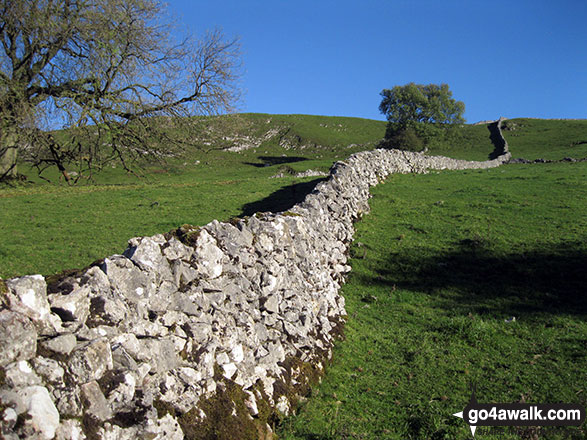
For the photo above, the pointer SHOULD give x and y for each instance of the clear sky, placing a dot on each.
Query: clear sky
(512, 58)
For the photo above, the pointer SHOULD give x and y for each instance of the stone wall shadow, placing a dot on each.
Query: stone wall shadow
(267, 161)
(549, 280)
(282, 199)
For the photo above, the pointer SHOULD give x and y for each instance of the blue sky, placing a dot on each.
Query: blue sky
(513, 58)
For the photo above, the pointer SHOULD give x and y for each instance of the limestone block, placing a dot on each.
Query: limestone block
(89, 361)
(18, 336)
(28, 295)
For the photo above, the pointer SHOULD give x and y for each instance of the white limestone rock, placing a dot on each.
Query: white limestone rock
(28, 295)
(44, 417)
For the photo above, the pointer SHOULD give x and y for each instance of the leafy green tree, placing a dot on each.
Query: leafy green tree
(109, 70)
(417, 112)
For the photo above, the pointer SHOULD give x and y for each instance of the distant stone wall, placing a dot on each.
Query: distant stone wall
(204, 332)
(501, 147)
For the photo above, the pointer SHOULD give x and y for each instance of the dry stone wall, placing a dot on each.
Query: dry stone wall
(193, 333)
(501, 146)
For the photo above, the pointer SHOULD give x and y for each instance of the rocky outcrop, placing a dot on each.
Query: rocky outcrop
(198, 333)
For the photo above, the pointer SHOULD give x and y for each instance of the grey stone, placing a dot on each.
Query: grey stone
(176, 250)
(122, 392)
(160, 300)
(28, 295)
(199, 332)
(90, 361)
(122, 360)
(222, 358)
(173, 318)
(208, 256)
(166, 428)
(18, 336)
(94, 402)
(251, 403)
(62, 344)
(283, 405)
(111, 431)
(129, 342)
(271, 303)
(20, 374)
(127, 279)
(183, 273)
(237, 353)
(49, 369)
(160, 353)
(189, 376)
(229, 370)
(146, 253)
(96, 332)
(72, 307)
(8, 420)
(107, 309)
(229, 237)
(96, 280)
(68, 401)
(43, 416)
(190, 303)
(70, 429)
(144, 329)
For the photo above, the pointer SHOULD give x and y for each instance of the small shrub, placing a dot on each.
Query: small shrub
(405, 139)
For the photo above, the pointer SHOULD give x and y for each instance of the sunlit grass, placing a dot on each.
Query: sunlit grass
(459, 278)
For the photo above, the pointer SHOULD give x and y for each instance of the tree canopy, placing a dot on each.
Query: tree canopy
(414, 110)
(112, 72)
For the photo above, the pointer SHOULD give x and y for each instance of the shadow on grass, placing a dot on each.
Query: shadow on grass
(474, 278)
(316, 437)
(282, 199)
(268, 161)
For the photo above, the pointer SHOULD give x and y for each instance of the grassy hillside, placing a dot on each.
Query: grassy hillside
(441, 266)
(46, 228)
(459, 277)
(546, 139)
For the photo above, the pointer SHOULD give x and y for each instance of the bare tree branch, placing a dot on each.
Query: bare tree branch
(107, 68)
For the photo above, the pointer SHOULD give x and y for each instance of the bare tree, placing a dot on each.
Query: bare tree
(109, 71)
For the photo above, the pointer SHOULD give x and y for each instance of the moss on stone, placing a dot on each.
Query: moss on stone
(187, 234)
(234, 220)
(3, 294)
(226, 414)
(3, 287)
(298, 378)
(90, 427)
(163, 408)
(227, 417)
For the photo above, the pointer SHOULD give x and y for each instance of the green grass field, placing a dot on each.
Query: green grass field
(441, 266)
(546, 139)
(47, 228)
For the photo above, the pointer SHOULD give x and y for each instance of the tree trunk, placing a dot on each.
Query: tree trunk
(8, 153)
